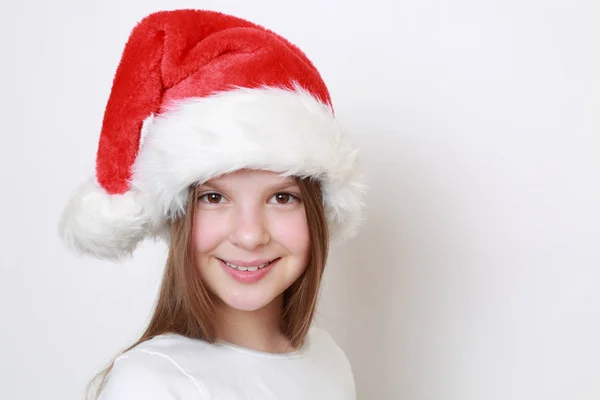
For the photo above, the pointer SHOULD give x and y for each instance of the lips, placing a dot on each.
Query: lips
(248, 272)
(251, 266)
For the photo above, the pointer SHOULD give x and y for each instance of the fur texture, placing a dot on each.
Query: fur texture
(198, 94)
(108, 226)
(281, 130)
(179, 54)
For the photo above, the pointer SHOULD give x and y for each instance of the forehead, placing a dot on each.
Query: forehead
(254, 177)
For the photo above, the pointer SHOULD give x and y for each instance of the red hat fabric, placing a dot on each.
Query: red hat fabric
(198, 94)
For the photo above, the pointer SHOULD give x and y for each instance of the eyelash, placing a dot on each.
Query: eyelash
(293, 197)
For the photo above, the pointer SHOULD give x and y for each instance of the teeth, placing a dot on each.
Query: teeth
(247, 268)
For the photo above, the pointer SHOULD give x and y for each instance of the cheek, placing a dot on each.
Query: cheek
(292, 232)
(206, 233)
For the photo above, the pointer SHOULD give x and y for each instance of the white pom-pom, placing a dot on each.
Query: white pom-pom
(104, 225)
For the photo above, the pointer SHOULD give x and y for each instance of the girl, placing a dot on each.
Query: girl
(219, 137)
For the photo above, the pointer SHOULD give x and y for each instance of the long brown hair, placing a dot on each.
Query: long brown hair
(186, 307)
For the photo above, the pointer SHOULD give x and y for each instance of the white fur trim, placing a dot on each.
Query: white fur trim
(147, 122)
(269, 129)
(107, 226)
(198, 139)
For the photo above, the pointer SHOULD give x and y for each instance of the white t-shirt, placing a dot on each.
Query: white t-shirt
(174, 367)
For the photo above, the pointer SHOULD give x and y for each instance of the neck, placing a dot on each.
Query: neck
(258, 330)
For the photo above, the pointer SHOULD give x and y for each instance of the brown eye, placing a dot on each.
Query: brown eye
(284, 198)
(212, 198)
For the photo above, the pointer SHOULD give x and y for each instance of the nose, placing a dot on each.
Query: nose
(250, 229)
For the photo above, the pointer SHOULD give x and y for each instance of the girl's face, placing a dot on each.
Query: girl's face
(251, 238)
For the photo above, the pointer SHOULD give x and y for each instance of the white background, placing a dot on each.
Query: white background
(477, 273)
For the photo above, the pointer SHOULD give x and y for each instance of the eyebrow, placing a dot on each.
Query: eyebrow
(288, 183)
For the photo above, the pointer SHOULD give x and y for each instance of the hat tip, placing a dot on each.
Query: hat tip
(106, 226)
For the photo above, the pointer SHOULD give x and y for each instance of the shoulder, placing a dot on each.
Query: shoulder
(332, 356)
(321, 342)
(151, 371)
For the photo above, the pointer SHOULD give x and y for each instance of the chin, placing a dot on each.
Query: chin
(257, 295)
(246, 301)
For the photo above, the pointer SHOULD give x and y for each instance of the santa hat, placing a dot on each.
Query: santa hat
(198, 94)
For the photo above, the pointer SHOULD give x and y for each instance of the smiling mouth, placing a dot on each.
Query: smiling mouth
(249, 268)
